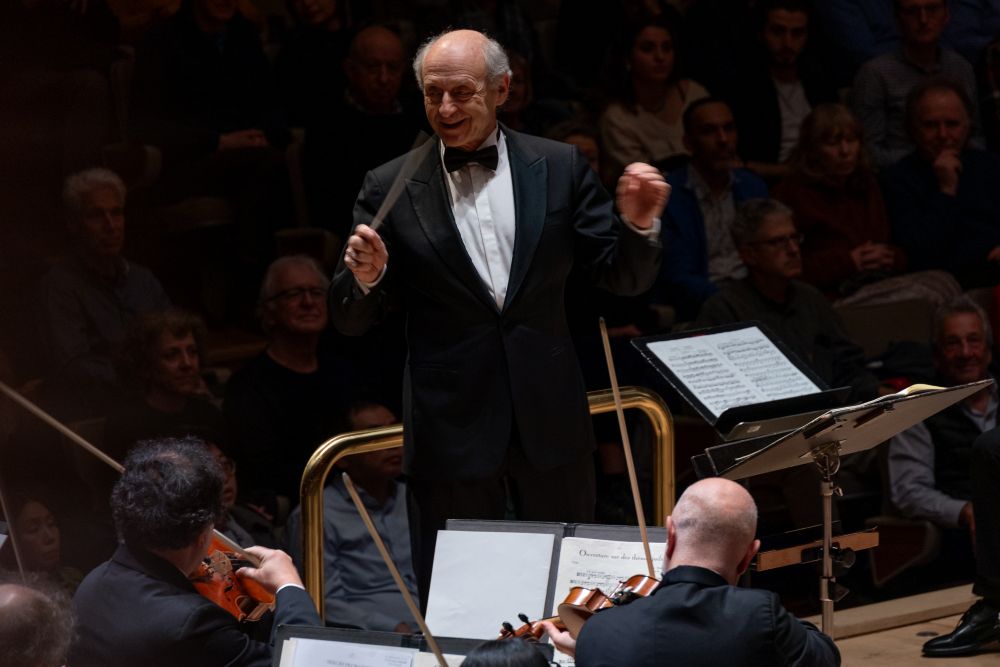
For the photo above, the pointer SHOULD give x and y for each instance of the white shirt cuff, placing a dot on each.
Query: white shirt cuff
(652, 232)
(366, 287)
(284, 586)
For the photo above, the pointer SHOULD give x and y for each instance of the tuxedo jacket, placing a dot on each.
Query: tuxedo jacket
(138, 609)
(475, 371)
(696, 618)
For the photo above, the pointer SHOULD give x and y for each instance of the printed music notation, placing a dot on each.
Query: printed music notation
(732, 368)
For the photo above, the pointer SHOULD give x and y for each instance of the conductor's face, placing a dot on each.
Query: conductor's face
(460, 102)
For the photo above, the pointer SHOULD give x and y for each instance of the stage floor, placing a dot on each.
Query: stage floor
(901, 646)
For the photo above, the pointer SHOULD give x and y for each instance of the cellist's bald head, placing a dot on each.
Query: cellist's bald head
(35, 629)
(713, 526)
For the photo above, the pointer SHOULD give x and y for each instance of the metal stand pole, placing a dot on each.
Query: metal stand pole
(827, 459)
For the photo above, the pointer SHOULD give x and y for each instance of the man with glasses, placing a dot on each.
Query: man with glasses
(768, 243)
(883, 83)
(285, 402)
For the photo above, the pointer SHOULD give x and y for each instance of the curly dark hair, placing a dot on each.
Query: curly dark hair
(505, 653)
(170, 492)
(36, 623)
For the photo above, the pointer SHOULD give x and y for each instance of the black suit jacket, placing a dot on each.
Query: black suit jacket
(138, 609)
(474, 371)
(695, 618)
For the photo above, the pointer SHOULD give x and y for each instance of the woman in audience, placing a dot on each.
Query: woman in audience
(839, 210)
(34, 529)
(644, 122)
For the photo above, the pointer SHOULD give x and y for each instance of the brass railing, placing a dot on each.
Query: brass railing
(358, 442)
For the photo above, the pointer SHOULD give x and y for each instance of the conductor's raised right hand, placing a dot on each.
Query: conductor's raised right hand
(366, 254)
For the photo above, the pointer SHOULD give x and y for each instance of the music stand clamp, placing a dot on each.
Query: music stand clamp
(824, 440)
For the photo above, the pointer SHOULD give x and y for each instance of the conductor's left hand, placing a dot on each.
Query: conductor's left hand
(365, 254)
(642, 193)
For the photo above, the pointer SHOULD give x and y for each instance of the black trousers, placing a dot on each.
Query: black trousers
(986, 507)
(565, 494)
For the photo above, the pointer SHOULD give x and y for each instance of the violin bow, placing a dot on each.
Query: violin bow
(393, 570)
(639, 515)
(77, 439)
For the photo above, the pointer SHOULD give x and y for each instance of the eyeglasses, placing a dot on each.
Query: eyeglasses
(780, 242)
(296, 293)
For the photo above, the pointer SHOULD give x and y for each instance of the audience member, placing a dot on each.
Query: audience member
(523, 111)
(942, 199)
(768, 243)
(708, 620)
(34, 542)
(929, 462)
(582, 134)
(165, 349)
(505, 653)
(90, 299)
(309, 67)
(699, 255)
(839, 209)
(233, 516)
(139, 607)
(36, 626)
(359, 590)
(775, 92)
(882, 84)
(979, 628)
(643, 123)
(203, 94)
(368, 124)
(286, 402)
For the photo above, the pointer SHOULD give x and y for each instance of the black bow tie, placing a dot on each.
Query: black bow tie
(455, 158)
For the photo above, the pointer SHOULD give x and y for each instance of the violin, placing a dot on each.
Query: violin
(216, 580)
(580, 604)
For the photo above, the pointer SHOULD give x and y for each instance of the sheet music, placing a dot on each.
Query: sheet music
(481, 579)
(303, 652)
(732, 368)
(599, 564)
(425, 659)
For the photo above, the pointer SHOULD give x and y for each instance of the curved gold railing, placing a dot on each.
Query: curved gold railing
(370, 440)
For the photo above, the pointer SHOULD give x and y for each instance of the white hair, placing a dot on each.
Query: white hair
(279, 265)
(497, 62)
(82, 183)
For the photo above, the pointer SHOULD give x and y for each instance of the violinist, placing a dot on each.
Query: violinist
(139, 608)
(697, 616)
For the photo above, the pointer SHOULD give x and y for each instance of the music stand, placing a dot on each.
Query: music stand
(825, 439)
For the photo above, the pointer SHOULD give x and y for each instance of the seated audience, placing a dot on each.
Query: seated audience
(644, 122)
(523, 111)
(234, 516)
(203, 94)
(165, 349)
(287, 401)
(90, 299)
(942, 199)
(34, 542)
(839, 209)
(882, 84)
(359, 590)
(979, 629)
(776, 90)
(139, 607)
(309, 66)
(369, 123)
(929, 462)
(698, 252)
(766, 238)
(36, 626)
(708, 620)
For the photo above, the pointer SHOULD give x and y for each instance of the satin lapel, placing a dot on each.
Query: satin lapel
(431, 204)
(529, 173)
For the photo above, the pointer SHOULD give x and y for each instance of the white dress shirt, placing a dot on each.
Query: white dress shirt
(483, 203)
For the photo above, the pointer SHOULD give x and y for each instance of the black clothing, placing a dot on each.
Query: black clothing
(138, 609)
(695, 618)
(137, 420)
(953, 434)
(278, 417)
(985, 472)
